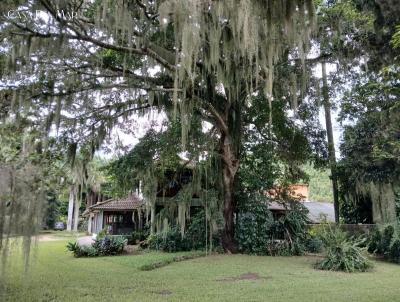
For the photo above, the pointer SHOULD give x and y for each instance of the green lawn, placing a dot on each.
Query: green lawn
(57, 276)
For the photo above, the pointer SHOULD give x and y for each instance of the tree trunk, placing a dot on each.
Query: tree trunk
(70, 207)
(331, 143)
(76, 214)
(230, 165)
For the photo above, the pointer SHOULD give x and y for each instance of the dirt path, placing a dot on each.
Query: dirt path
(47, 238)
(57, 236)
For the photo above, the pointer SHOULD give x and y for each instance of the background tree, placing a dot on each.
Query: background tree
(369, 168)
(355, 36)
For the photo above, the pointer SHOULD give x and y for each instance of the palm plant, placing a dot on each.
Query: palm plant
(342, 253)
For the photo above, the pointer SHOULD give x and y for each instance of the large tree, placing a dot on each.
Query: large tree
(83, 67)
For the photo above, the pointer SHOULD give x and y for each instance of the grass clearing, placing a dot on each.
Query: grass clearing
(55, 275)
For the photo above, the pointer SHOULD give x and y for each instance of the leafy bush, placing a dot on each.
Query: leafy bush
(197, 235)
(385, 241)
(314, 245)
(138, 236)
(394, 250)
(194, 238)
(258, 233)
(294, 225)
(103, 233)
(278, 248)
(313, 242)
(81, 251)
(373, 241)
(168, 241)
(253, 228)
(110, 245)
(107, 246)
(342, 253)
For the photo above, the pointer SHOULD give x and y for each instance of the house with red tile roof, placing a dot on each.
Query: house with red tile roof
(119, 216)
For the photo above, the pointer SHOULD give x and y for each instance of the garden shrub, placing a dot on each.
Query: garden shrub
(277, 248)
(295, 225)
(139, 236)
(375, 242)
(193, 239)
(258, 233)
(103, 233)
(196, 234)
(107, 246)
(253, 226)
(394, 250)
(342, 253)
(82, 251)
(110, 245)
(314, 245)
(135, 237)
(385, 241)
(168, 241)
(313, 242)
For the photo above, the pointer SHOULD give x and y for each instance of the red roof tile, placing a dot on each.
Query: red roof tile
(130, 202)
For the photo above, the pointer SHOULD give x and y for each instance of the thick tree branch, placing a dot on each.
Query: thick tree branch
(219, 121)
(159, 54)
